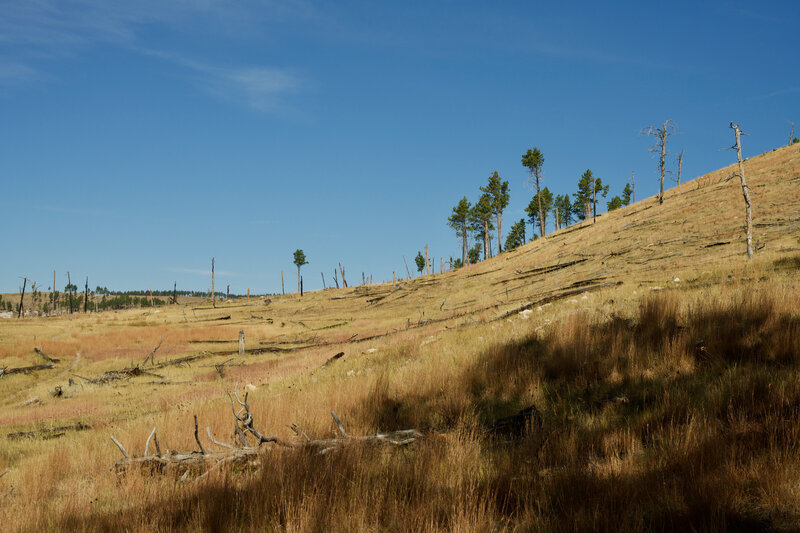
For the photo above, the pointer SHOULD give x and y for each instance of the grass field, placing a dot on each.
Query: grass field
(663, 367)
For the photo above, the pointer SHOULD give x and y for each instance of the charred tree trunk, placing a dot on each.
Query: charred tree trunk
(323, 281)
(86, 296)
(680, 166)
(499, 232)
(539, 196)
(20, 309)
(213, 301)
(745, 191)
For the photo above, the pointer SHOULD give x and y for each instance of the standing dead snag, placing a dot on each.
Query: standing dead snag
(745, 189)
(661, 134)
(21, 297)
(213, 302)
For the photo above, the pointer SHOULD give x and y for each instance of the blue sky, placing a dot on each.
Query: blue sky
(139, 139)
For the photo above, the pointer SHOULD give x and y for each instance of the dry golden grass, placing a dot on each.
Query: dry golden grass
(663, 405)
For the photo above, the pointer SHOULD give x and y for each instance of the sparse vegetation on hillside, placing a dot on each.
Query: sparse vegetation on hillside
(658, 374)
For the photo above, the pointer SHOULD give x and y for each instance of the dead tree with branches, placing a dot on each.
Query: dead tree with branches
(249, 447)
(661, 133)
(745, 188)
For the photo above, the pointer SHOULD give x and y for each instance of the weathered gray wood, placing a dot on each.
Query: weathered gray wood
(745, 191)
(44, 356)
(5, 371)
(241, 342)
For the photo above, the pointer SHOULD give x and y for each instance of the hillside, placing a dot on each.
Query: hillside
(660, 363)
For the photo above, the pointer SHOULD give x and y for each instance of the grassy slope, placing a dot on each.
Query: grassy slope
(678, 396)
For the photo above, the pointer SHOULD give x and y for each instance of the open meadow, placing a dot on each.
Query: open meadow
(638, 373)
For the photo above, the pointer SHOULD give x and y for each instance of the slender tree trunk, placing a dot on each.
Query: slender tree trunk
(791, 134)
(557, 222)
(539, 196)
(427, 269)
(464, 256)
(86, 296)
(69, 292)
(228, 292)
(301, 285)
(213, 302)
(680, 165)
(298, 278)
(408, 272)
(663, 137)
(745, 192)
(175, 293)
(633, 185)
(54, 290)
(594, 200)
(283, 291)
(485, 240)
(20, 309)
(499, 232)
(323, 281)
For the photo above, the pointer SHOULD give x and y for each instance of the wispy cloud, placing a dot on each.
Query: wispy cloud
(780, 92)
(37, 30)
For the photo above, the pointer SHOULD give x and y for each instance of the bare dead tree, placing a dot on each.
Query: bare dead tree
(86, 296)
(661, 133)
(21, 297)
(791, 134)
(680, 167)
(633, 185)
(745, 189)
(213, 302)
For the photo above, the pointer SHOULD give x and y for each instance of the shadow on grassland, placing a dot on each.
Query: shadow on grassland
(680, 419)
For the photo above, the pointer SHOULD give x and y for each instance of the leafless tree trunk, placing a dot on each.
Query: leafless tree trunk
(175, 293)
(283, 291)
(791, 134)
(86, 296)
(213, 302)
(336, 278)
(536, 175)
(69, 293)
(745, 190)
(427, 269)
(408, 272)
(680, 166)
(241, 342)
(633, 185)
(20, 309)
(594, 200)
(228, 292)
(344, 280)
(557, 218)
(323, 280)
(499, 232)
(53, 294)
(485, 240)
(661, 134)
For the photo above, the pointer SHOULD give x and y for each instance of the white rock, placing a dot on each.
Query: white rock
(677, 280)
(351, 373)
(372, 350)
(525, 314)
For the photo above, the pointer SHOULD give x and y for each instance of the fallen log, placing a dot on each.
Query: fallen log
(46, 357)
(334, 358)
(557, 296)
(48, 433)
(246, 454)
(5, 371)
